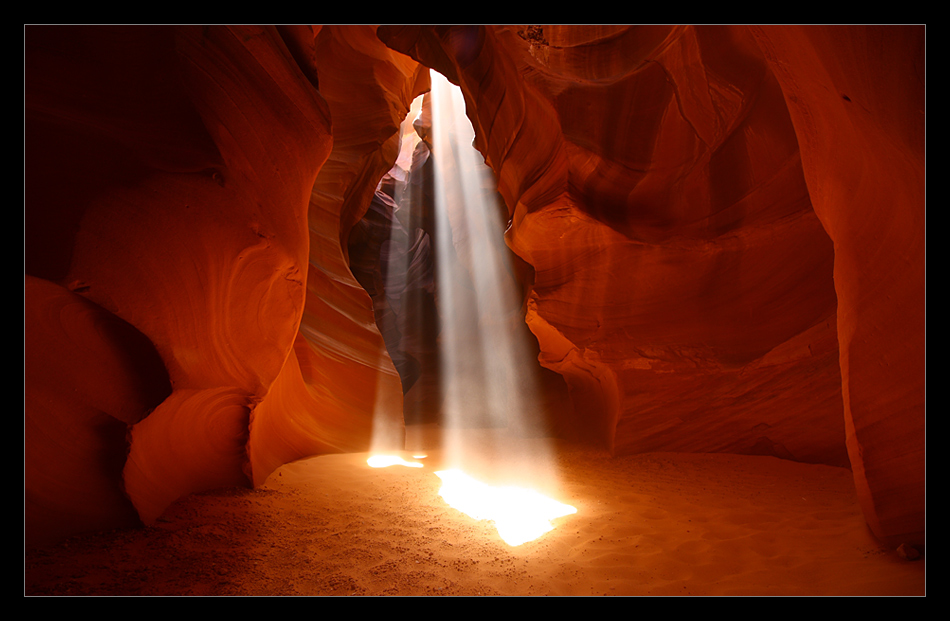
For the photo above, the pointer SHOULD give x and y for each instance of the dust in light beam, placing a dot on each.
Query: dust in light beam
(483, 359)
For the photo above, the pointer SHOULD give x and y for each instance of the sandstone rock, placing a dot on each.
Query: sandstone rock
(907, 552)
(720, 232)
(170, 172)
(695, 256)
(862, 144)
(89, 376)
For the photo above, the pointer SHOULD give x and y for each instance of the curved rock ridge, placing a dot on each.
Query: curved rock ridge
(696, 259)
(862, 142)
(338, 373)
(88, 376)
(170, 174)
(351, 380)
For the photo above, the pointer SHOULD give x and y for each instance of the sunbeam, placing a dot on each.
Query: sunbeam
(485, 369)
(486, 384)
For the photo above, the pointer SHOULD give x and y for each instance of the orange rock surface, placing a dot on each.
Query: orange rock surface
(172, 179)
(669, 186)
(856, 96)
(723, 230)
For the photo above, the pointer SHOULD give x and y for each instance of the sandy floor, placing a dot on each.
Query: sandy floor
(658, 524)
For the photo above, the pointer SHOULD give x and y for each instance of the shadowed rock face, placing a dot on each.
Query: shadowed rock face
(856, 96)
(697, 205)
(678, 262)
(723, 229)
(172, 176)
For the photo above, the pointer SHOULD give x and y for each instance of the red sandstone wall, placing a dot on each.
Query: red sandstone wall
(725, 226)
(171, 185)
(706, 215)
(856, 97)
(339, 354)
(683, 283)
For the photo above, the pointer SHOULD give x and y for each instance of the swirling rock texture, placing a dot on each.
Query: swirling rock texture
(349, 381)
(709, 211)
(172, 188)
(724, 228)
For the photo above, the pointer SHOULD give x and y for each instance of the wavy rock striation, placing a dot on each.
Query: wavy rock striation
(171, 175)
(721, 230)
(678, 192)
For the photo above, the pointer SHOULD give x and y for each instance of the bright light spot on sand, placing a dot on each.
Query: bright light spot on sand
(519, 514)
(384, 461)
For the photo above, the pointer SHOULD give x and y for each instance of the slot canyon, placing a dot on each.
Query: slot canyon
(240, 281)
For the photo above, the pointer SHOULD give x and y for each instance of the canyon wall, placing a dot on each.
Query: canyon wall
(722, 229)
(856, 96)
(187, 190)
(708, 212)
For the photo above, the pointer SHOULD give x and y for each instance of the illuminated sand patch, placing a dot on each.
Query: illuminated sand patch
(385, 461)
(520, 514)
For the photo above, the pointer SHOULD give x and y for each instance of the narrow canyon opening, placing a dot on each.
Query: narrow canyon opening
(449, 306)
